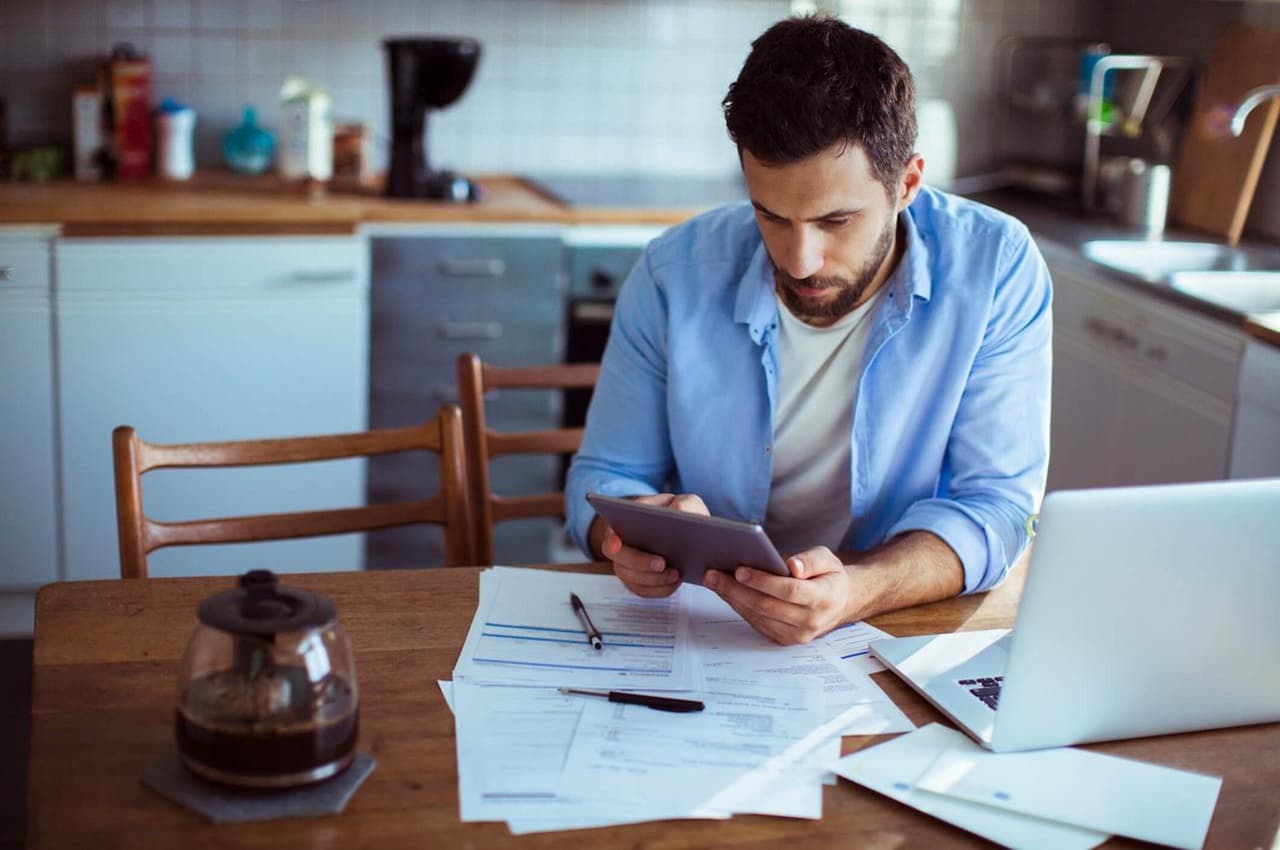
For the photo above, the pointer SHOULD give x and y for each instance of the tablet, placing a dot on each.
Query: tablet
(691, 543)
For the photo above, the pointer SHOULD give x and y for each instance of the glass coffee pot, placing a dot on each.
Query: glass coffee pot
(268, 696)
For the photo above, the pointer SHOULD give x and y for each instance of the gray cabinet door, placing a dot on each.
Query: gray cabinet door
(435, 297)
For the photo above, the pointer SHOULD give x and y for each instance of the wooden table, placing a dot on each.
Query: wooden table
(106, 668)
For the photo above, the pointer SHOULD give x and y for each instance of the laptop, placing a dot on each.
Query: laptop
(1146, 611)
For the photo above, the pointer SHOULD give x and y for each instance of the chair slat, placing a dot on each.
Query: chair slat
(560, 441)
(250, 529)
(474, 380)
(519, 507)
(140, 535)
(289, 449)
(564, 377)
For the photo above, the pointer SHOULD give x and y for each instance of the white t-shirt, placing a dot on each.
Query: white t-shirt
(818, 370)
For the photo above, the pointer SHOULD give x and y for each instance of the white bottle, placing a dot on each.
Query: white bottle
(86, 122)
(306, 132)
(175, 125)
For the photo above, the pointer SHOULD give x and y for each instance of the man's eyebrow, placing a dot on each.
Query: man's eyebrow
(840, 213)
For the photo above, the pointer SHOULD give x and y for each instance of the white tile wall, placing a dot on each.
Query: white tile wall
(563, 86)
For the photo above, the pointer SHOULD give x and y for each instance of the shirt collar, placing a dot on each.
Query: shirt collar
(757, 307)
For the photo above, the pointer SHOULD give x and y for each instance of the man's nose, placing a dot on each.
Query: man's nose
(804, 254)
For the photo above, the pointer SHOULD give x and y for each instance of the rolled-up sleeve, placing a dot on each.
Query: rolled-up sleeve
(998, 451)
(626, 448)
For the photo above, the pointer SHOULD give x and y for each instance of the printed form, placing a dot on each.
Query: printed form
(526, 632)
(730, 650)
(629, 752)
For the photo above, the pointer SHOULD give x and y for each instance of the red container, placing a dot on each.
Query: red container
(130, 92)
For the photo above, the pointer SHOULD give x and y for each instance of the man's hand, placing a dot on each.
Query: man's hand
(816, 598)
(824, 592)
(644, 573)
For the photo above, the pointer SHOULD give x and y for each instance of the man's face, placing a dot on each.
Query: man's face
(828, 226)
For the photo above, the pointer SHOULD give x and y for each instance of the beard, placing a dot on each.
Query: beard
(849, 292)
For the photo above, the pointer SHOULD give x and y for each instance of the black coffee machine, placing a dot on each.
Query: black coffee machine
(425, 73)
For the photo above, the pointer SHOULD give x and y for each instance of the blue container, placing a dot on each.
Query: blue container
(248, 148)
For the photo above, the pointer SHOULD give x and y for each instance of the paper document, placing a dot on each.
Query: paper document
(526, 632)
(512, 743)
(1106, 793)
(849, 642)
(729, 649)
(629, 752)
(892, 769)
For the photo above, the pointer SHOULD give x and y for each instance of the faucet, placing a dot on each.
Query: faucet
(1251, 99)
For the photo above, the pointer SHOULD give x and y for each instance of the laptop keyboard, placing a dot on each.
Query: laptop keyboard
(986, 690)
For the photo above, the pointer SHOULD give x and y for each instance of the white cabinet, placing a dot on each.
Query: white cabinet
(1144, 390)
(28, 518)
(201, 339)
(1255, 446)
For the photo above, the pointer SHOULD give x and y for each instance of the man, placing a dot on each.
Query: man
(856, 361)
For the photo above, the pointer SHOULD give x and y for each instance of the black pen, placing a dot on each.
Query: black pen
(660, 703)
(593, 634)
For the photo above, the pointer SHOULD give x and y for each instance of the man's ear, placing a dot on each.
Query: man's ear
(910, 182)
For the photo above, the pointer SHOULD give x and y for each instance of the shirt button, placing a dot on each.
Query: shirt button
(768, 449)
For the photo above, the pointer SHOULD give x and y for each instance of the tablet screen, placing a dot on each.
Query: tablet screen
(690, 543)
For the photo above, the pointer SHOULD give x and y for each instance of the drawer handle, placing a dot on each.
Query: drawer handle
(469, 330)
(6, 272)
(472, 268)
(1111, 332)
(325, 276)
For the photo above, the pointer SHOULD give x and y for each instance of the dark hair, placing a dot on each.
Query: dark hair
(813, 82)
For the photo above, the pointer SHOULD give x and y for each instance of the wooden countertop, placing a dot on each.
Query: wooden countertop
(217, 203)
(1265, 327)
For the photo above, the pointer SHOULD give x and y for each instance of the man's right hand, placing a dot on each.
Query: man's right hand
(644, 573)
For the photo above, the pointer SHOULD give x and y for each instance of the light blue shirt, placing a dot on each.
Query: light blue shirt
(951, 413)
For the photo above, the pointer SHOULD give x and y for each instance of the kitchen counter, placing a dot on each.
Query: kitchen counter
(221, 203)
(1265, 327)
(1062, 230)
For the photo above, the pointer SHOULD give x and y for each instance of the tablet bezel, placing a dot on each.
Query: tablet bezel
(690, 543)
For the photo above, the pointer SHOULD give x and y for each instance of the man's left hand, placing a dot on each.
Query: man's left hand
(818, 596)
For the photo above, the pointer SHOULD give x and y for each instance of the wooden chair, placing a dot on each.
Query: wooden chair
(483, 443)
(140, 535)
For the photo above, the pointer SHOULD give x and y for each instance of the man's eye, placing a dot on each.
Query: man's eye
(835, 222)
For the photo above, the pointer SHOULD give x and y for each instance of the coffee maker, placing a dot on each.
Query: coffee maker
(424, 74)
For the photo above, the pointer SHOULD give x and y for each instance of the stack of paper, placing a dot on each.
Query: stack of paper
(542, 760)
(526, 632)
(1060, 798)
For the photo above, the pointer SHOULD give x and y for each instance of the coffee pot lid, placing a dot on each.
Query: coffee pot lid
(259, 606)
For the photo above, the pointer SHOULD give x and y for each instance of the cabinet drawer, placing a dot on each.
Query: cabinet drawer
(279, 265)
(1149, 334)
(468, 264)
(434, 349)
(24, 266)
(408, 402)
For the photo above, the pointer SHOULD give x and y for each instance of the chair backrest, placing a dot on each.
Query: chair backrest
(483, 443)
(140, 535)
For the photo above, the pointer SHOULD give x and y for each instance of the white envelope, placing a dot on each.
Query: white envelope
(892, 768)
(1116, 795)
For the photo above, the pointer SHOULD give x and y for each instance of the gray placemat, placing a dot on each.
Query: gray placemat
(168, 777)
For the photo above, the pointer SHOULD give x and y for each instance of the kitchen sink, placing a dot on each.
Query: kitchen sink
(1156, 260)
(1246, 291)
